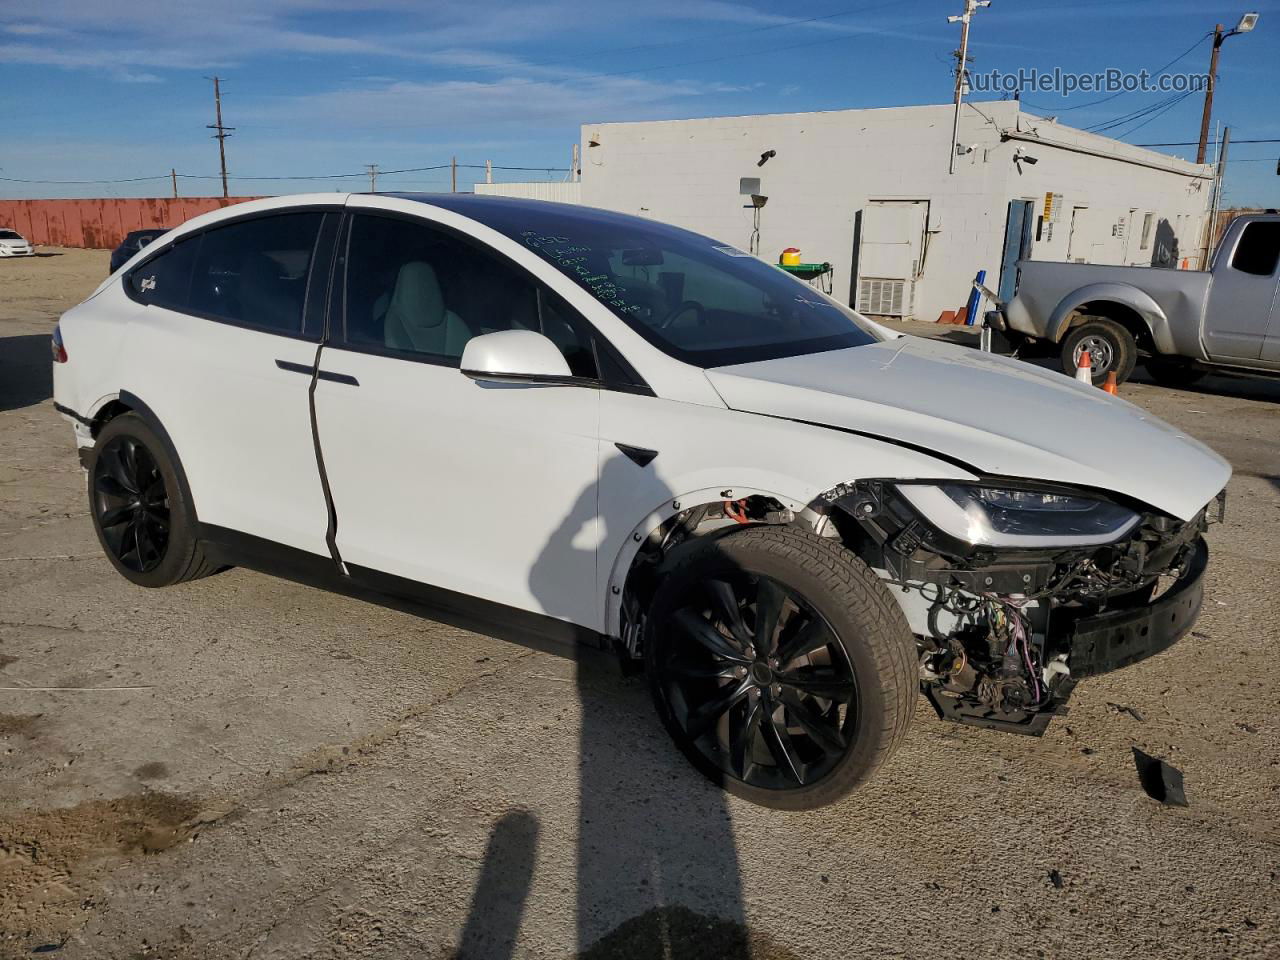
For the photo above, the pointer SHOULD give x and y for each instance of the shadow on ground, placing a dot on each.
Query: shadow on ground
(26, 371)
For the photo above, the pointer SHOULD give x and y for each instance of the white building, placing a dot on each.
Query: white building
(869, 192)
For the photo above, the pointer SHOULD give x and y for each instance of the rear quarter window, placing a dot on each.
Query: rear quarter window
(165, 279)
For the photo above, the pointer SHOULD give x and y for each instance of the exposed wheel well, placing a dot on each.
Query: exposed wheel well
(1124, 315)
(109, 412)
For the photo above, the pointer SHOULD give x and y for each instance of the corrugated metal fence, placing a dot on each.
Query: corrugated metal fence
(570, 192)
(101, 224)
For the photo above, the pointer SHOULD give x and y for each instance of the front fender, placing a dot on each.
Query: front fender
(661, 513)
(1124, 294)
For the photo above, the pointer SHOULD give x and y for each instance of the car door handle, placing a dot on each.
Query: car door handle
(322, 374)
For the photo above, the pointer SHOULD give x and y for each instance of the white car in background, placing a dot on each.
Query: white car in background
(13, 244)
(548, 422)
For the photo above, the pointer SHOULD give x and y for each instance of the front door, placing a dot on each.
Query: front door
(483, 489)
(1239, 314)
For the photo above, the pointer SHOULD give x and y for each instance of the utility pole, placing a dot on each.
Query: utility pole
(174, 175)
(373, 177)
(488, 171)
(962, 60)
(453, 178)
(223, 132)
(1218, 37)
(1247, 23)
(575, 172)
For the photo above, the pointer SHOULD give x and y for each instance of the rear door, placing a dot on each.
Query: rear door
(1239, 316)
(482, 489)
(222, 352)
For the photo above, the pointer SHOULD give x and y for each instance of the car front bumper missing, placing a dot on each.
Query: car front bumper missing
(1110, 641)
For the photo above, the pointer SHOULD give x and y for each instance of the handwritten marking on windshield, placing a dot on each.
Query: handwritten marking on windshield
(573, 260)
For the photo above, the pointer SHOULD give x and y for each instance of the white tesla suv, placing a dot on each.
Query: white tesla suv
(553, 423)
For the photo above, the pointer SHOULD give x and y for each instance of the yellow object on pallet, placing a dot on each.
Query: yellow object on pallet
(790, 257)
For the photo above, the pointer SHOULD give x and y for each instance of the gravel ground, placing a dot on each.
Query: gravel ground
(284, 773)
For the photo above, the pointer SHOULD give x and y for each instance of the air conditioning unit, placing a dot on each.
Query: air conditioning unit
(884, 297)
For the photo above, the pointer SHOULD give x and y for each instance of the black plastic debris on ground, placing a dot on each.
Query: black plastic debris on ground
(1056, 879)
(1121, 708)
(1160, 780)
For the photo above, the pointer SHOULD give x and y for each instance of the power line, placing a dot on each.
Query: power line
(83, 182)
(1154, 116)
(321, 176)
(1158, 73)
(1137, 114)
(1194, 143)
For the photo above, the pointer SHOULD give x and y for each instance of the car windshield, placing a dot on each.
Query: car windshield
(697, 299)
(9, 235)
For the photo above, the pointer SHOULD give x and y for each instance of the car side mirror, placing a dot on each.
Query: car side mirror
(514, 356)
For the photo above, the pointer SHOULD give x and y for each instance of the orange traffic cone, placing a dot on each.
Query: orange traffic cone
(1084, 368)
(1110, 386)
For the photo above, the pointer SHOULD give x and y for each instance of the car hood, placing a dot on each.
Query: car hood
(996, 415)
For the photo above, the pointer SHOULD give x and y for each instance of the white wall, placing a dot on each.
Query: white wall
(831, 165)
(559, 191)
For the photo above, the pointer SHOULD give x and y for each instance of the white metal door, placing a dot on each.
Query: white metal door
(891, 255)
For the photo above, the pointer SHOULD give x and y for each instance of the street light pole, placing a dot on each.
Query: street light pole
(962, 58)
(1247, 23)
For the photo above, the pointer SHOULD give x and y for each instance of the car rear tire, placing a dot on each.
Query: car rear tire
(780, 665)
(1169, 373)
(1110, 345)
(140, 507)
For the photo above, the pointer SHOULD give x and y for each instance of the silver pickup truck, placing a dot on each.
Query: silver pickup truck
(1180, 323)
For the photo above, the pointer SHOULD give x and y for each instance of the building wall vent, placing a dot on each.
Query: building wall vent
(883, 297)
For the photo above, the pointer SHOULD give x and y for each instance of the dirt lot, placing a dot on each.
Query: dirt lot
(243, 767)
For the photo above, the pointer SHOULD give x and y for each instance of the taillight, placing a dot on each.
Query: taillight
(59, 351)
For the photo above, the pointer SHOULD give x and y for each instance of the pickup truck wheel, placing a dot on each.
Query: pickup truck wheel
(1110, 346)
(1172, 374)
(780, 664)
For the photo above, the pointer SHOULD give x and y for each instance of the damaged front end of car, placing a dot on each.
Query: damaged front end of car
(1016, 591)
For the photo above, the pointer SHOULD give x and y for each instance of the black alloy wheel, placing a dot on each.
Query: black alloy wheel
(131, 503)
(780, 664)
(765, 691)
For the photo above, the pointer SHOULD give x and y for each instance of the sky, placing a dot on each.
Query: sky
(91, 90)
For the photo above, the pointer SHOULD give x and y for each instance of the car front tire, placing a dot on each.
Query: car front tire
(780, 665)
(140, 508)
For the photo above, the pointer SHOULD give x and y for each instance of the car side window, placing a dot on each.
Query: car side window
(1258, 251)
(412, 289)
(165, 280)
(253, 273)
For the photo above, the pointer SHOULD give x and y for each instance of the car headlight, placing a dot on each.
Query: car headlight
(1002, 517)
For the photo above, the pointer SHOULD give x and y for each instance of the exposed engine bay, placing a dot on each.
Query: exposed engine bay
(1003, 633)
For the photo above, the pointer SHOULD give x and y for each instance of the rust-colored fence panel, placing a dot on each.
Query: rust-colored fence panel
(101, 224)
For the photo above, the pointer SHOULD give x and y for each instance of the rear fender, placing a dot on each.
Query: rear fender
(1121, 293)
